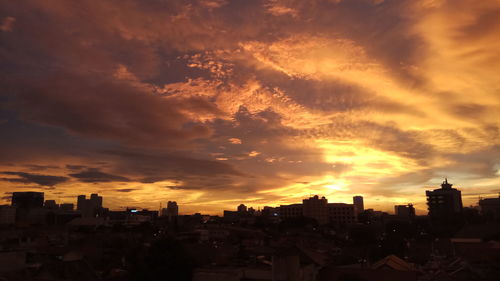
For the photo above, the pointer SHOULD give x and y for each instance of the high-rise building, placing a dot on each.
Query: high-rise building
(359, 205)
(89, 207)
(172, 209)
(444, 203)
(95, 201)
(27, 200)
(316, 208)
(81, 202)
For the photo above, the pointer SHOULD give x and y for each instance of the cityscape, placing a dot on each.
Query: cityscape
(249, 140)
(310, 241)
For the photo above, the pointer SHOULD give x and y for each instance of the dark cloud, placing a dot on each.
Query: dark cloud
(94, 175)
(44, 180)
(75, 167)
(121, 111)
(125, 190)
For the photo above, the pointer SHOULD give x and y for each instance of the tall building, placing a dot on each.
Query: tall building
(172, 209)
(81, 202)
(27, 200)
(95, 201)
(316, 208)
(444, 203)
(91, 207)
(359, 205)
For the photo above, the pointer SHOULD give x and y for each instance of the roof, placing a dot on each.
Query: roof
(393, 262)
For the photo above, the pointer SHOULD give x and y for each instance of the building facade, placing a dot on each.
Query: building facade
(316, 208)
(404, 211)
(444, 203)
(320, 210)
(91, 207)
(7, 215)
(359, 205)
(27, 200)
(341, 213)
(172, 210)
(291, 211)
(490, 207)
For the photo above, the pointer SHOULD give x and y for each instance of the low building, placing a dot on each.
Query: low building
(291, 211)
(406, 212)
(490, 207)
(66, 207)
(341, 213)
(320, 210)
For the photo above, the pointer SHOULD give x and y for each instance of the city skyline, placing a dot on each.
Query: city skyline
(214, 103)
(94, 204)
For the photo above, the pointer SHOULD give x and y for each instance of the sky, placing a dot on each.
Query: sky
(213, 103)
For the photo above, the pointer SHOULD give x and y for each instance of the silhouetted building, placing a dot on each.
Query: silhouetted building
(270, 211)
(242, 208)
(172, 209)
(81, 202)
(135, 216)
(91, 207)
(7, 215)
(27, 200)
(359, 205)
(405, 211)
(490, 207)
(444, 203)
(341, 213)
(291, 211)
(320, 210)
(96, 201)
(51, 204)
(231, 216)
(66, 207)
(316, 208)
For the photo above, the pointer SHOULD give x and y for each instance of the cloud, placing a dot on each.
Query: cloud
(126, 190)
(43, 180)
(93, 175)
(263, 102)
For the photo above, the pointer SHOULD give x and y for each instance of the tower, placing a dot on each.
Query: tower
(359, 205)
(444, 203)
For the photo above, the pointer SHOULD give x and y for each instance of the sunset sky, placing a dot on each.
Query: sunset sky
(214, 103)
